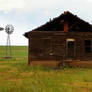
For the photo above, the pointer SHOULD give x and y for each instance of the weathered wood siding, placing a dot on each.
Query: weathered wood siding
(49, 45)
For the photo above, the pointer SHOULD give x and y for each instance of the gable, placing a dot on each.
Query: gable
(65, 22)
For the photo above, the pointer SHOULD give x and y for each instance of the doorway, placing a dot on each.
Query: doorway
(70, 48)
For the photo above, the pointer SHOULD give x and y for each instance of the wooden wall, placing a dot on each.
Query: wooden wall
(49, 45)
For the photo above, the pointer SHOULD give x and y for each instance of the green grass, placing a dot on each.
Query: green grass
(17, 76)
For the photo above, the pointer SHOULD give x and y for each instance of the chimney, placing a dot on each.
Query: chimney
(66, 26)
(65, 12)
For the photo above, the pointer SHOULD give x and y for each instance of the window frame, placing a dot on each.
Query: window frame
(87, 46)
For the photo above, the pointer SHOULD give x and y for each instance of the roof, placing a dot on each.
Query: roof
(74, 22)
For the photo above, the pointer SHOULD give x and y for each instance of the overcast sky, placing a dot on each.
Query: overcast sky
(26, 15)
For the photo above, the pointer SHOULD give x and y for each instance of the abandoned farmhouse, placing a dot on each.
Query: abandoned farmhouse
(66, 37)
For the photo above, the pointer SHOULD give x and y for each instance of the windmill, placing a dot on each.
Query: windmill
(9, 30)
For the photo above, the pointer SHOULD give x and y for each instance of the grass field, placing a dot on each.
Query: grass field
(17, 76)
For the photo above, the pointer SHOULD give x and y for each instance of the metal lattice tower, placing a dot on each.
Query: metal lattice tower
(9, 30)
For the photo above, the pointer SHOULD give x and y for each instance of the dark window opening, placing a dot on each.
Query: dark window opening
(87, 46)
(87, 42)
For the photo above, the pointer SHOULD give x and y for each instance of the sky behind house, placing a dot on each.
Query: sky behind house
(26, 15)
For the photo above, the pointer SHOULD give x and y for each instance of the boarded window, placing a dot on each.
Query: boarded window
(87, 46)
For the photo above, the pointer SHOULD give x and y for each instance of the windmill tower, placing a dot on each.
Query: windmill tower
(9, 30)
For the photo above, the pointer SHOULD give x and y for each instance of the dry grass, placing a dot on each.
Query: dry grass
(17, 76)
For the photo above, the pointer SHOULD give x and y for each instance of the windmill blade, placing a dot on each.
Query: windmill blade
(1, 28)
(9, 29)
